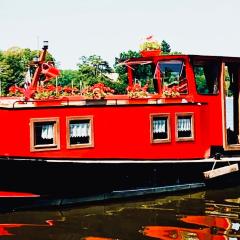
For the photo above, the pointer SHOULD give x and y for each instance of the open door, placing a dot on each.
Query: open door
(231, 97)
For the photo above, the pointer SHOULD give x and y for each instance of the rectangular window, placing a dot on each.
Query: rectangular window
(160, 129)
(184, 127)
(173, 75)
(44, 134)
(206, 77)
(79, 132)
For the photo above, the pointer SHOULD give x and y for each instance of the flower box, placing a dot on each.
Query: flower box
(91, 102)
(171, 99)
(49, 102)
(138, 101)
(150, 53)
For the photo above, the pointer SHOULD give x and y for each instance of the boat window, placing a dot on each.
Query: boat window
(44, 134)
(172, 74)
(143, 74)
(160, 128)
(206, 77)
(79, 132)
(184, 127)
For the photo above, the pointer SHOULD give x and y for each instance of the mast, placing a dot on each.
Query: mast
(39, 62)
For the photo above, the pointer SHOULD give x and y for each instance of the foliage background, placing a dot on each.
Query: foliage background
(15, 62)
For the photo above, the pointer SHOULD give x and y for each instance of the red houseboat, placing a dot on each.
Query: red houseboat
(183, 134)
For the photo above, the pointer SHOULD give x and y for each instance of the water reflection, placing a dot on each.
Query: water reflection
(96, 238)
(200, 215)
(5, 227)
(206, 227)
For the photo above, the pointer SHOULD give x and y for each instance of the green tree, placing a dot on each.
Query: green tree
(15, 59)
(91, 70)
(69, 78)
(14, 63)
(165, 47)
(5, 74)
(122, 70)
(142, 73)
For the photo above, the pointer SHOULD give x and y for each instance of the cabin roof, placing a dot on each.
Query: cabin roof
(212, 57)
(185, 56)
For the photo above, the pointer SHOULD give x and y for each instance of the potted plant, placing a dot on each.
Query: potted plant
(150, 47)
(137, 94)
(15, 91)
(170, 92)
(97, 91)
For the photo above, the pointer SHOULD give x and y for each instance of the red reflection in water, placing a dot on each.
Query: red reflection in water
(4, 228)
(17, 195)
(209, 221)
(167, 233)
(96, 238)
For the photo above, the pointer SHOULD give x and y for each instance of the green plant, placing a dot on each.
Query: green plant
(150, 44)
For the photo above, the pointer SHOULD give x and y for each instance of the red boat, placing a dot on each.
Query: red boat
(177, 137)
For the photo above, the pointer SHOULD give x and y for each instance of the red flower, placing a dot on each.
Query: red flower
(171, 91)
(136, 91)
(97, 91)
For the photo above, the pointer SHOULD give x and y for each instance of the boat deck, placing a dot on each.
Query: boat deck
(18, 103)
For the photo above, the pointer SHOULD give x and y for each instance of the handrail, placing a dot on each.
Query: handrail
(115, 101)
(34, 101)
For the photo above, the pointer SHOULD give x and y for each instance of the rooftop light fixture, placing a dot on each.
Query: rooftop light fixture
(45, 45)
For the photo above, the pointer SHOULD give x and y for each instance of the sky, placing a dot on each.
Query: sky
(108, 27)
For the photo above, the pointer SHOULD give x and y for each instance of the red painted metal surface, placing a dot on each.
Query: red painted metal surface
(118, 132)
(122, 132)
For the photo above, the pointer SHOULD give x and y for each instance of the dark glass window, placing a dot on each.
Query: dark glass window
(80, 131)
(44, 133)
(184, 127)
(206, 76)
(160, 128)
(172, 74)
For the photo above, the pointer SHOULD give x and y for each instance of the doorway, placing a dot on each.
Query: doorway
(231, 128)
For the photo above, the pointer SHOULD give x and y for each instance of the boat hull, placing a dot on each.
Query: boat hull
(89, 178)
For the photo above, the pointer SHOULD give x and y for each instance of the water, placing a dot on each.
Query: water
(207, 214)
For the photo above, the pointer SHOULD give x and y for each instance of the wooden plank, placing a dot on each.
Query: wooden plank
(221, 171)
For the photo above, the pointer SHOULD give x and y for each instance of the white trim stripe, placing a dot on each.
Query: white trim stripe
(208, 160)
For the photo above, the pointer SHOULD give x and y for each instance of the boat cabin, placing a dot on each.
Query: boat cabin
(190, 111)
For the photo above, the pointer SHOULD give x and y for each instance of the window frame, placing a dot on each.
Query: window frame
(184, 114)
(56, 138)
(91, 137)
(168, 139)
(180, 73)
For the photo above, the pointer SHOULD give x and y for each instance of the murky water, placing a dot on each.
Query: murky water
(212, 214)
